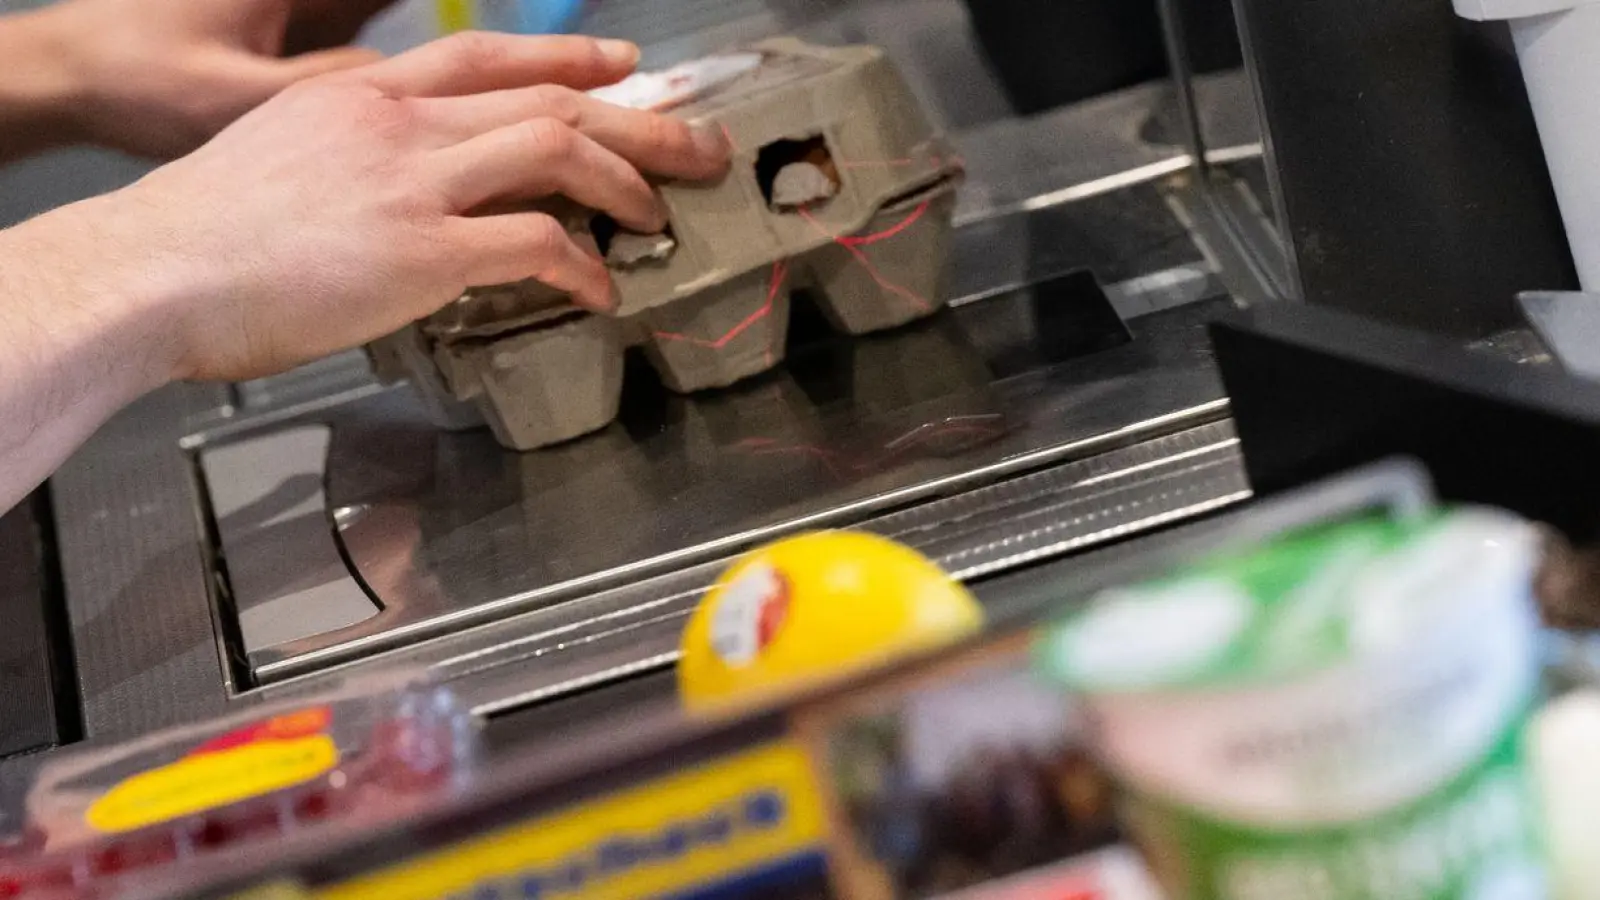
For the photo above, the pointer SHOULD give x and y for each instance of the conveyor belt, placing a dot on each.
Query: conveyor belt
(38, 703)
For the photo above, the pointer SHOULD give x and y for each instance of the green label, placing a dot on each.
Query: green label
(1299, 605)
(1474, 839)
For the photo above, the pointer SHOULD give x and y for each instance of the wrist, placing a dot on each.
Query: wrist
(100, 285)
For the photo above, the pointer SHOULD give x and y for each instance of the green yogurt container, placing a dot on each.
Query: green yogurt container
(1336, 716)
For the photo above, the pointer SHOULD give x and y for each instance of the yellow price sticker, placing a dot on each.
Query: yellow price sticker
(692, 829)
(211, 780)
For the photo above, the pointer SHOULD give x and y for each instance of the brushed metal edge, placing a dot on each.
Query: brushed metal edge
(1163, 481)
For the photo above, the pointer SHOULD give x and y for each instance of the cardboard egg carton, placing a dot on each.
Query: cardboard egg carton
(839, 186)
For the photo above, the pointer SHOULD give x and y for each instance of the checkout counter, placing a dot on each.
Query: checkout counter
(221, 544)
(219, 547)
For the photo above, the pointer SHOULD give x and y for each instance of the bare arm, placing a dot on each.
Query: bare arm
(38, 91)
(159, 77)
(81, 336)
(335, 213)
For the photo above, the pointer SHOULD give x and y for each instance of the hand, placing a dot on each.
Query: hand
(160, 77)
(340, 210)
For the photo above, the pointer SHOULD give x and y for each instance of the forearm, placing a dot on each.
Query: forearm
(81, 335)
(39, 90)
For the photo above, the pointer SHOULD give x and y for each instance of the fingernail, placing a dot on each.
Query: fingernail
(623, 53)
(711, 140)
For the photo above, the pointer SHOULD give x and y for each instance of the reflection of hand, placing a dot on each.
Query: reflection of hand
(160, 77)
(338, 211)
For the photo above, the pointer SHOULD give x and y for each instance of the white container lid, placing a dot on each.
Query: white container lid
(1496, 10)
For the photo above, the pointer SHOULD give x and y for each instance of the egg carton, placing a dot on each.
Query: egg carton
(839, 186)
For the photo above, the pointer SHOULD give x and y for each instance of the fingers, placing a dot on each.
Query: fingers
(475, 62)
(518, 246)
(542, 157)
(651, 142)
